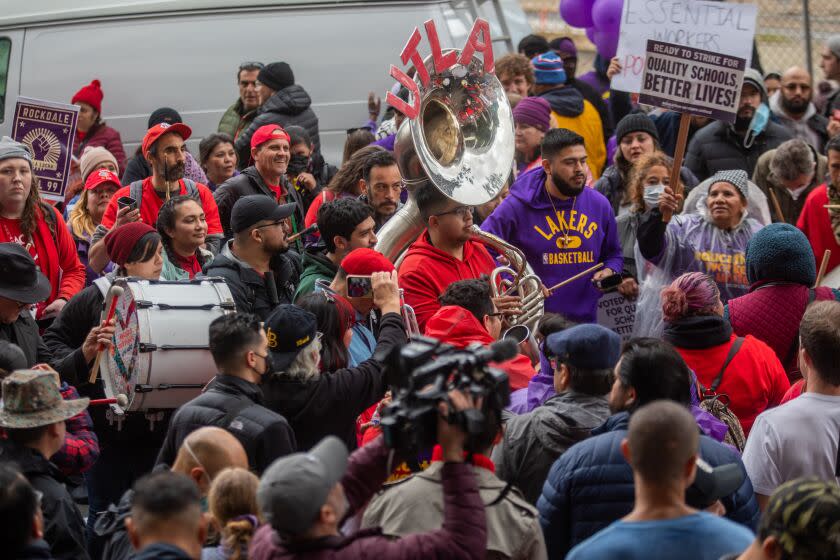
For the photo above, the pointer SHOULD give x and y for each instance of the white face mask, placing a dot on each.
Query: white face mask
(651, 195)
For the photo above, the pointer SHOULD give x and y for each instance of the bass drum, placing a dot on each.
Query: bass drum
(161, 357)
(832, 279)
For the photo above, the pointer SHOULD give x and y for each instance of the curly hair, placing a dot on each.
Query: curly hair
(635, 190)
(513, 65)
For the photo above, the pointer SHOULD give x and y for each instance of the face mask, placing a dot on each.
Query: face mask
(651, 195)
(757, 124)
(297, 164)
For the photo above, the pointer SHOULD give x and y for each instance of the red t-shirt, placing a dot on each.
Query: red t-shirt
(754, 380)
(815, 222)
(10, 232)
(152, 203)
(189, 264)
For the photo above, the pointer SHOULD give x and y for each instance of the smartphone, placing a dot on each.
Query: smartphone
(126, 202)
(608, 283)
(359, 286)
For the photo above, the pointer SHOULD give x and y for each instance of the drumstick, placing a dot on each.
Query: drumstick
(832, 206)
(121, 401)
(311, 229)
(823, 266)
(777, 206)
(589, 270)
(115, 292)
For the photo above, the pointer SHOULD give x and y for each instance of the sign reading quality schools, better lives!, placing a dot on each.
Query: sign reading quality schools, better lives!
(48, 128)
(692, 81)
(719, 27)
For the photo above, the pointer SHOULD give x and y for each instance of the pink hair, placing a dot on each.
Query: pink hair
(693, 293)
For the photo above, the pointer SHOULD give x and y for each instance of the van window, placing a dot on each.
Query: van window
(5, 50)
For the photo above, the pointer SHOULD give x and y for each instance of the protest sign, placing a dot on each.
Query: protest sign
(692, 81)
(48, 128)
(618, 314)
(719, 27)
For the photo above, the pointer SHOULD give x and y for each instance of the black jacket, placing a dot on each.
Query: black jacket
(64, 338)
(24, 333)
(248, 288)
(716, 147)
(247, 183)
(290, 106)
(330, 403)
(235, 405)
(64, 528)
(136, 169)
(161, 551)
(35, 550)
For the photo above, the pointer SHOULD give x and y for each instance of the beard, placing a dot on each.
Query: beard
(795, 107)
(170, 172)
(567, 189)
(742, 123)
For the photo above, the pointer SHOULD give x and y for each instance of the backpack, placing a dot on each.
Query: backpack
(718, 404)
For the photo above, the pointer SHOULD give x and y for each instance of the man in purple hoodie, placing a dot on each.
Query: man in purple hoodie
(562, 227)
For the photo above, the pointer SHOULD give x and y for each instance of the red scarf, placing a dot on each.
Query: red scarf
(189, 264)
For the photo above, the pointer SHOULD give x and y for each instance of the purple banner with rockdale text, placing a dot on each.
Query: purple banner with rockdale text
(48, 128)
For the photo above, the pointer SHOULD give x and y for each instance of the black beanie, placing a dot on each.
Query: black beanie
(164, 115)
(635, 122)
(277, 75)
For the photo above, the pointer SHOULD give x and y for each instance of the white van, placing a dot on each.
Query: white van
(185, 53)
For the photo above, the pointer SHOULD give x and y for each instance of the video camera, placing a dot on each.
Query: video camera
(421, 374)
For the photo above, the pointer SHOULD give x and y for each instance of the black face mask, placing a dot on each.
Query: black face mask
(297, 164)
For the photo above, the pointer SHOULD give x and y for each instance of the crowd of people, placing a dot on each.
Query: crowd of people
(712, 432)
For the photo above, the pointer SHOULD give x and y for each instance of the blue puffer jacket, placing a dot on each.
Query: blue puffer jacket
(591, 485)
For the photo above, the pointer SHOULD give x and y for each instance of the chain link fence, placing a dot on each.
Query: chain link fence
(790, 32)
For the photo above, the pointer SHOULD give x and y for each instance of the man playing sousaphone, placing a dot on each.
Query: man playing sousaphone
(444, 253)
(564, 228)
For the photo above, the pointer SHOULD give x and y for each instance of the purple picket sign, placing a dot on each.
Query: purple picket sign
(48, 128)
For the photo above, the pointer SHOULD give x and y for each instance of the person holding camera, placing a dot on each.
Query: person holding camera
(306, 496)
(416, 504)
(317, 403)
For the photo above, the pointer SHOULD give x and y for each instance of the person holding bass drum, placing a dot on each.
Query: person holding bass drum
(128, 449)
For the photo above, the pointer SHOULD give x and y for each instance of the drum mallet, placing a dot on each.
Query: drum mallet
(121, 401)
(115, 292)
(311, 229)
(589, 270)
(823, 266)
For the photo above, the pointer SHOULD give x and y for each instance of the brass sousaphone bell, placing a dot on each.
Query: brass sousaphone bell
(462, 142)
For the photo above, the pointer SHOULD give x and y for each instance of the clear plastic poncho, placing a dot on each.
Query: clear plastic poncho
(694, 244)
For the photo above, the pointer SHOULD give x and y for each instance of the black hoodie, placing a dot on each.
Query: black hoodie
(290, 106)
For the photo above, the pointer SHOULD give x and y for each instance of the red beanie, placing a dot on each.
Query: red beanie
(90, 94)
(364, 262)
(121, 241)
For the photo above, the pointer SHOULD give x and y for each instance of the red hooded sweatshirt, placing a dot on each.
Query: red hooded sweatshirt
(455, 325)
(426, 272)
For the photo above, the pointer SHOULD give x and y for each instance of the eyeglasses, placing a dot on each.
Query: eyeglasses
(251, 66)
(461, 211)
(358, 128)
(396, 187)
(274, 223)
(496, 314)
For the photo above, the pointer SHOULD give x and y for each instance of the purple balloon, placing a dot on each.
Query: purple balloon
(606, 42)
(590, 34)
(577, 13)
(606, 15)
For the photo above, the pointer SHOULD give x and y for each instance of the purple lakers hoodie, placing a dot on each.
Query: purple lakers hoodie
(526, 219)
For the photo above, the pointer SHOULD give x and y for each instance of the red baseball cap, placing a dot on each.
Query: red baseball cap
(269, 132)
(101, 176)
(160, 129)
(364, 262)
